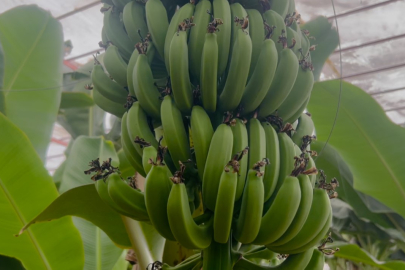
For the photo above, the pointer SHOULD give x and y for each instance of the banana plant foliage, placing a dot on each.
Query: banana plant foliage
(365, 138)
(33, 52)
(25, 190)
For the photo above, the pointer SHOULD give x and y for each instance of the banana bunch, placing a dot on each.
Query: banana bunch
(211, 96)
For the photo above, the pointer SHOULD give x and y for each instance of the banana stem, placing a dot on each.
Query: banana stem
(146, 242)
(217, 256)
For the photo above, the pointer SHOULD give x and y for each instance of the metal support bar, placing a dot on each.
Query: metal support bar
(387, 91)
(354, 11)
(63, 16)
(374, 71)
(395, 109)
(83, 55)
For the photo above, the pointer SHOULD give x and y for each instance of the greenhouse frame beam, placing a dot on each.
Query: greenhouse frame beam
(395, 109)
(70, 13)
(373, 71)
(387, 91)
(354, 11)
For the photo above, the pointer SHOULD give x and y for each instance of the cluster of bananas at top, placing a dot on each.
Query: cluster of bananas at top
(205, 92)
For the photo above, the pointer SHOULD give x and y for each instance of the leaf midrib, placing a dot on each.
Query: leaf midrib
(379, 155)
(34, 45)
(23, 222)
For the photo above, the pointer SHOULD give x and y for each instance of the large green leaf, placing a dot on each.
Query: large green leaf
(25, 190)
(2, 101)
(356, 254)
(333, 165)
(33, 46)
(325, 38)
(75, 100)
(366, 139)
(84, 150)
(84, 202)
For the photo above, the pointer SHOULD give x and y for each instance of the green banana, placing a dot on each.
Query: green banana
(157, 191)
(261, 77)
(209, 71)
(185, 12)
(225, 201)
(286, 73)
(305, 44)
(281, 213)
(115, 65)
(158, 23)
(257, 142)
(145, 89)
(317, 218)
(273, 154)
(131, 64)
(240, 142)
(305, 127)
(108, 105)
(219, 154)
(106, 87)
(280, 6)
(176, 136)
(299, 93)
(311, 164)
(317, 261)
(217, 256)
(138, 126)
(201, 133)
(104, 38)
(179, 75)
(297, 113)
(222, 11)
(291, 6)
(134, 158)
(149, 153)
(238, 72)
(294, 41)
(272, 18)
(128, 198)
(184, 228)
(302, 213)
(247, 226)
(237, 11)
(256, 32)
(133, 17)
(197, 34)
(114, 29)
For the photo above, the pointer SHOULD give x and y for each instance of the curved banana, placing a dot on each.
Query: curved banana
(297, 114)
(219, 154)
(197, 34)
(201, 133)
(115, 32)
(280, 6)
(286, 73)
(299, 93)
(281, 213)
(256, 32)
(291, 6)
(133, 17)
(146, 91)
(311, 164)
(128, 198)
(247, 226)
(184, 229)
(209, 71)
(217, 256)
(158, 23)
(272, 18)
(237, 11)
(240, 142)
(106, 87)
(222, 11)
(138, 126)
(131, 65)
(149, 153)
(185, 12)
(294, 41)
(115, 65)
(273, 154)
(261, 77)
(317, 261)
(175, 134)
(157, 191)
(225, 201)
(134, 158)
(179, 75)
(108, 105)
(305, 127)
(238, 72)
(302, 213)
(257, 142)
(318, 216)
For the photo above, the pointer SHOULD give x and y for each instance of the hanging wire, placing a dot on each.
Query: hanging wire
(340, 82)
